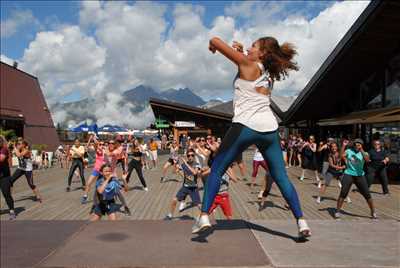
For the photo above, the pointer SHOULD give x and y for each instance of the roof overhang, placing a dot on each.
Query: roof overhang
(383, 115)
(160, 106)
(11, 114)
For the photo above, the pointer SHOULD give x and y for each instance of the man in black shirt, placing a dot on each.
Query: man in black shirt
(379, 159)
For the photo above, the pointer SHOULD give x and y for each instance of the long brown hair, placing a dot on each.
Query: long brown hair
(278, 58)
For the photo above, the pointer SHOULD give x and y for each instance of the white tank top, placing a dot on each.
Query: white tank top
(258, 156)
(25, 163)
(251, 108)
(201, 159)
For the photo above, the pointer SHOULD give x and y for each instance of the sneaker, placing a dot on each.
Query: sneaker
(319, 184)
(146, 189)
(182, 206)
(168, 217)
(337, 214)
(301, 178)
(339, 184)
(348, 200)
(374, 215)
(68, 189)
(37, 199)
(12, 216)
(161, 179)
(84, 199)
(260, 195)
(319, 200)
(202, 223)
(127, 211)
(304, 230)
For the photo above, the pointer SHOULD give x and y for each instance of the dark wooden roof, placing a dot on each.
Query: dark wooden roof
(174, 107)
(22, 97)
(372, 40)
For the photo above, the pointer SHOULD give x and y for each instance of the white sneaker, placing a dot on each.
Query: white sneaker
(319, 200)
(146, 189)
(348, 200)
(182, 206)
(301, 178)
(304, 230)
(260, 195)
(339, 184)
(319, 184)
(374, 215)
(201, 224)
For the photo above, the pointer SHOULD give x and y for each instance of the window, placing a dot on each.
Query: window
(392, 91)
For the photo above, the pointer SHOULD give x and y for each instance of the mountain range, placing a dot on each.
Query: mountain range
(137, 99)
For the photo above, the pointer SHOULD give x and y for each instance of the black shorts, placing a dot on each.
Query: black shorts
(185, 191)
(104, 208)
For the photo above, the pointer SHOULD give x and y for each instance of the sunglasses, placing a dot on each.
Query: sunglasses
(190, 155)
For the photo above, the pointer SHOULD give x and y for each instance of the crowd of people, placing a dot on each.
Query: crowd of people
(191, 159)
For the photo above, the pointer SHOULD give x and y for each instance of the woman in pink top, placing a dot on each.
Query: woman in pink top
(100, 160)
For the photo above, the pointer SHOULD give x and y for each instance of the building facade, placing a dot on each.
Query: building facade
(24, 109)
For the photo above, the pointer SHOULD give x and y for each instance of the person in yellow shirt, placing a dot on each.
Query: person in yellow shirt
(153, 151)
(77, 152)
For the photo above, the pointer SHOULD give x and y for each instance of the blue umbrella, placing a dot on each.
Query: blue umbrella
(81, 128)
(94, 128)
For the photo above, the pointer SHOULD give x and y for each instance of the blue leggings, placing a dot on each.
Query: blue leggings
(239, 138)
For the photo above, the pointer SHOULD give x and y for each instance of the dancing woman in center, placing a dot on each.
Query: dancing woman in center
(253, 121)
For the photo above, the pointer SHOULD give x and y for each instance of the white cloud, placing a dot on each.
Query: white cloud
(6, 59)
(16, 21)
(64, 60)
(134, 44)
(112, 112)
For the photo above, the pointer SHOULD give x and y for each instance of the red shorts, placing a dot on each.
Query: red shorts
(222, 200)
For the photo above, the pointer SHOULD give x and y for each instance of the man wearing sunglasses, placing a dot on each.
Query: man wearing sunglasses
(189, 170)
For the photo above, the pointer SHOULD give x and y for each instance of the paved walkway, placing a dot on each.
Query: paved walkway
(236, 243)
(56, 233)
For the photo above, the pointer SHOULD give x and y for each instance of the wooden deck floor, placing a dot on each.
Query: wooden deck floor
(60, 205)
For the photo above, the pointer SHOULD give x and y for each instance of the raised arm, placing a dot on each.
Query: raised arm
(343, 151)
(237, 57)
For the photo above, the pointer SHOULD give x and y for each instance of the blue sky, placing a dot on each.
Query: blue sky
(101, 49)
(52, 13)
